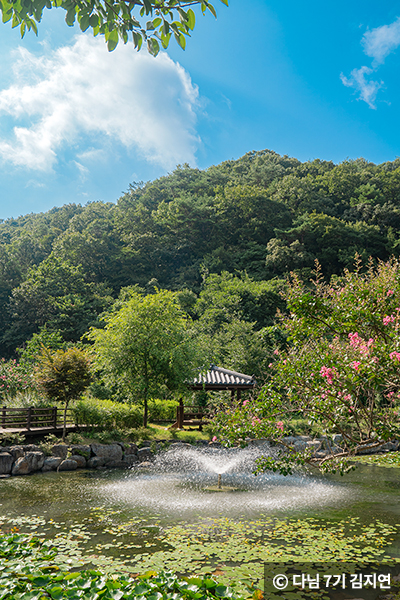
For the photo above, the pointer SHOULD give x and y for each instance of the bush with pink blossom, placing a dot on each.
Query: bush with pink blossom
(340, 369)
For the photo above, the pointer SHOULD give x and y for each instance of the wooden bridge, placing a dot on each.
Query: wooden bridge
(34, 421)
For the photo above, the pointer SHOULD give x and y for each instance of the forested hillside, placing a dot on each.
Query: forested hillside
(224, 237)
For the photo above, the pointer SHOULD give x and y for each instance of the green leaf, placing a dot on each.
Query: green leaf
(165, 28)
(221, 591)
(56, 592)
(15, 21)
(165, 40)
(137, 39)
(181, 40)
(211, 9)
(148, 6)
(6, 16)
(112, 40)
(84, 23)
(70, 17)
(191, 19)
(153, 46)
(93, 20)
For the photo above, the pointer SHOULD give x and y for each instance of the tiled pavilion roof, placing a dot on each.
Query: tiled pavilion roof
(217, 378)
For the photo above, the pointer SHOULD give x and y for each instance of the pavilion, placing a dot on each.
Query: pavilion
(217, 378)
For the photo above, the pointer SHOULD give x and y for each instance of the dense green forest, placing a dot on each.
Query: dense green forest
(223, 237)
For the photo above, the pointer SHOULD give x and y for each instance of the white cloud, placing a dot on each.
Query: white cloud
(378, 44)
(140, 101)
(367, 89)
(382, 41)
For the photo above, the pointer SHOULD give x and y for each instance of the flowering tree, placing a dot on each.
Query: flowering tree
(14, 378)
(341, 369)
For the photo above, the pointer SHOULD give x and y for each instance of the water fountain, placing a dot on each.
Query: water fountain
(212, 481)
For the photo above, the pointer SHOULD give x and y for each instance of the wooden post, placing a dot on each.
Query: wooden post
(239, 396)
(179, 414)
(55, 417)
(3, 417)
(232, 398)
(29, 418)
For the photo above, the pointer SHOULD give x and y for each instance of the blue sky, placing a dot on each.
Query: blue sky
(311, 80)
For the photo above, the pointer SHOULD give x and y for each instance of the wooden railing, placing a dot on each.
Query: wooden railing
(189, 415)
(31, 418)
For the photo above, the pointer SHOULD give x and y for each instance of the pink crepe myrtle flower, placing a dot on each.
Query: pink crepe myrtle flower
(390, 293)
(245, 402)
(357, 342)
(256, 420)
(394, 355)
(214, 438)
(388, 319)
(276, 351)
(328, 373)
(270, 365)
(355, 364)
(279, 425)
(355, 339)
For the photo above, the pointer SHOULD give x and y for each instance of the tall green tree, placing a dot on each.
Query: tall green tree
(55, 294)
(147, 345)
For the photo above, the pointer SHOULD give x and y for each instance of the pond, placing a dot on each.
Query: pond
(172, 515)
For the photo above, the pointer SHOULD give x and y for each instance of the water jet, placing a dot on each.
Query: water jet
(185, 479)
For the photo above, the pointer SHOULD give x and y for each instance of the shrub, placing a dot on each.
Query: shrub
(106, 414)
(162, 410)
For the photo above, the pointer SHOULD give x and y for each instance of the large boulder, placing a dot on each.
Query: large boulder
(32, 448)
(131, 459)
(145, 454)
(51, 463)
(6, 463)
(15, 451)
(31, 462)
(68, 465)
(110, 453)
(79, 459)
(60, 450)
(21, 466)
(130, 449)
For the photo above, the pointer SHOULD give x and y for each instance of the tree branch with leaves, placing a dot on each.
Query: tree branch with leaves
(153, 22)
